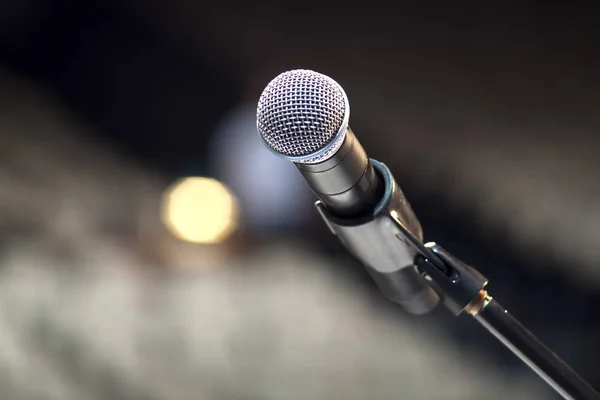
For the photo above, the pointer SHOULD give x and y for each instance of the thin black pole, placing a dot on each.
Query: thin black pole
(534, 353)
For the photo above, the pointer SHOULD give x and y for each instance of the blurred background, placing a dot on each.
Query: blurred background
(152, 248)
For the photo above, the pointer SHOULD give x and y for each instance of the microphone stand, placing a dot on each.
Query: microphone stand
(463, 289)
(460, 286)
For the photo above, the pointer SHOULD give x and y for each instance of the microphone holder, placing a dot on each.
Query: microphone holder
(460, 287)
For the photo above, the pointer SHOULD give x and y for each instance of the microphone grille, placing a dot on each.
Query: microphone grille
(302, 115)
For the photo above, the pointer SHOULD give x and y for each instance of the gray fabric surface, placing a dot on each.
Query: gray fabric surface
(272, 325)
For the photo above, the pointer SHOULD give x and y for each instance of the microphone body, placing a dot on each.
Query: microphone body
(303, 117)
(346, 183)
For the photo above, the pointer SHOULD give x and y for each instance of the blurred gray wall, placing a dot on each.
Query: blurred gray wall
(84, 316)
(489, 108)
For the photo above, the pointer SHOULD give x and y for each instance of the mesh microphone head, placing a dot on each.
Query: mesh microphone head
(302, 116)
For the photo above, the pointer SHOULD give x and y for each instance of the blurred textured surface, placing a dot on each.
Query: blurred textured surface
(60, 184)
(274, 325)
(84, 317)
(487, 118)
(496, 116)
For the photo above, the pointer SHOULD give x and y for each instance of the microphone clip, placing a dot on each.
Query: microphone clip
(461, 287)
(390, 243)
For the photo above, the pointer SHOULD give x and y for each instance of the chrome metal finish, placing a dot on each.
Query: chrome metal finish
(302, 116)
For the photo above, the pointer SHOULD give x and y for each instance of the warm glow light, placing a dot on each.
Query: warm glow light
(200, 210)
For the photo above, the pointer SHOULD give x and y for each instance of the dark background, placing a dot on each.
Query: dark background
(428, 86)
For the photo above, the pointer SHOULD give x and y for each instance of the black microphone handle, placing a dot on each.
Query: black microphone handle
(346, 183)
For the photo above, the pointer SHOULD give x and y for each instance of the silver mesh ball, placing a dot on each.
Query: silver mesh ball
(300, 113)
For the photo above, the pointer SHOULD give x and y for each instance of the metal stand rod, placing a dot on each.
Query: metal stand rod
(557, 373)
(391, 240)
(463, 290)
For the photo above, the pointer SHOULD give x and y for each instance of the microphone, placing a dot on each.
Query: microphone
(303, 117)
